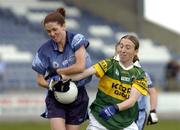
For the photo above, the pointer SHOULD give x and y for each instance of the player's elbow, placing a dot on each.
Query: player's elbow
(80, 68)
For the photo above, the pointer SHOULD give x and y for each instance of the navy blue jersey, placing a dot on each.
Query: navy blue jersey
(48, 57)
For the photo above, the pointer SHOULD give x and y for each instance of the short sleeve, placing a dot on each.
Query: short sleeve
(149, 80)
(141, 85)
(78, 41)
(38, 64)
(101, 68)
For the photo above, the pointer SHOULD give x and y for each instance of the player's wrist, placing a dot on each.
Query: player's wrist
(49, 74)
(108, 111)
(153, 111)
(53, 81)
(116, 107)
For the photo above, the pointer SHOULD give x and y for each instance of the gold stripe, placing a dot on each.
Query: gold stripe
(114, 88)
(143, 91)
(141, 86)
(99, 70)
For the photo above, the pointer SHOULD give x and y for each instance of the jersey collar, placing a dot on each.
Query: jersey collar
(136, 63)
(55, 46)
(117, 58)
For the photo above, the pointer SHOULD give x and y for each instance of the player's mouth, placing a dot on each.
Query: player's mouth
(123, 56)
(55, 39)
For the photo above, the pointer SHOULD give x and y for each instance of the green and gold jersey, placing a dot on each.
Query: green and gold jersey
(114, 87)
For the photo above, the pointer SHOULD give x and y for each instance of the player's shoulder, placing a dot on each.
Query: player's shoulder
(110, 60)
(46, 46)
(76, 40)
(139, 71)
(74, 37)
(104, 62)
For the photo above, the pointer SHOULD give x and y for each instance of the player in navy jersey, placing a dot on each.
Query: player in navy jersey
(64, 53)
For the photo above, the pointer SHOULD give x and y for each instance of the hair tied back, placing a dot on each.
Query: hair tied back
(61, 11)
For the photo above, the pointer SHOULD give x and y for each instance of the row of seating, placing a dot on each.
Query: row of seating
(21, 27)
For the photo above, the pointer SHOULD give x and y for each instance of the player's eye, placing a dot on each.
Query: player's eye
(54, 29)
(121, 46)
(128, 47)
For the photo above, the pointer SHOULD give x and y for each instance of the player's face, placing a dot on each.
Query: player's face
(126, 51)
(55, 31)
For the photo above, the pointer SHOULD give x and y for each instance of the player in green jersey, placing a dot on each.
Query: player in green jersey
(121, 83)
(152, 118)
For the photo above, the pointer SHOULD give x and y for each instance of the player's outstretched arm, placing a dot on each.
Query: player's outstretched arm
(79, 76)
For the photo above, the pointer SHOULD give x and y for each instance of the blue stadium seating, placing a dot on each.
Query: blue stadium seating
(28, 35)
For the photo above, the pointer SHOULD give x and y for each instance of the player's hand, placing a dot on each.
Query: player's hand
(54, 81)
(152, 118)
(50, 73)
(62, 86)
(108, 112)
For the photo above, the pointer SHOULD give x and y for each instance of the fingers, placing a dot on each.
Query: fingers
(152, 118)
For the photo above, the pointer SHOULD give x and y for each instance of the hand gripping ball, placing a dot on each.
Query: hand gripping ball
(68, 96)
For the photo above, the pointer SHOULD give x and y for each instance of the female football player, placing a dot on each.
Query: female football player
(121, 83)
(64, 53)
(142, 101)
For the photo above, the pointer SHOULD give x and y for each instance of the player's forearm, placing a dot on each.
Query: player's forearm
(153, 102)
(76, 68)
(134, 95)
(41, 81)
(153, 98)
(79, 76)
(126, 104)
(74, 77)
(79, 66)
(152, 118)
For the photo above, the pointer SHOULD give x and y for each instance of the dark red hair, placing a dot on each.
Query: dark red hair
(57, 16)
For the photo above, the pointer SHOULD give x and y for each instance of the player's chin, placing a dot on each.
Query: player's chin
(55, 40)
(123, 59)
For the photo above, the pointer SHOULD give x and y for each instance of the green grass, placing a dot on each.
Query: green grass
(165, 125)
(162, 125)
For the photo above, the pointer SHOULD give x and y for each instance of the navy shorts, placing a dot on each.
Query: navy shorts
(74, 113)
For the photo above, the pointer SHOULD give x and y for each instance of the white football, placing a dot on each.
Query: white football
(69, 96)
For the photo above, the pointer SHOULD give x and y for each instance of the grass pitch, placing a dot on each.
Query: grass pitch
(162, 125)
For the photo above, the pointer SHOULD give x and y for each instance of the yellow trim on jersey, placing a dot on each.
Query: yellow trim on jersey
(114, 88)
(141, 86)
(99, 72)
(101, 68)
